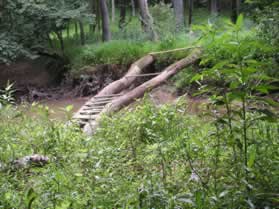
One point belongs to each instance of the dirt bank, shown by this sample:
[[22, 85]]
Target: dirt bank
[[43, 72]]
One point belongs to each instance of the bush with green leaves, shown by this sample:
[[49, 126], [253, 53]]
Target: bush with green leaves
[[7, 95], [10, 49], [147, 157], [238, 63], [269, 25], [27, 24]]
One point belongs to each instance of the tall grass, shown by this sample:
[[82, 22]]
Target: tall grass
[[125, 52]]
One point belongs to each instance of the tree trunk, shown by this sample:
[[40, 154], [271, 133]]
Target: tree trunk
[[68, 30], [133, 8], [122, 8], [50, 41], [146, 19], [82, 35], [235, 10], [139, 91], [179, 14], [105, 21], [143, 15], [1, 10], [191, 6], [97, 12], [135, 69], [61, 41], [92, 25], [76, 30], [213, 7], [149, 85], [112, 10]]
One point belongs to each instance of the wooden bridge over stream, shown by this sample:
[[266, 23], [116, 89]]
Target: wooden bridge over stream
[[119, 93]]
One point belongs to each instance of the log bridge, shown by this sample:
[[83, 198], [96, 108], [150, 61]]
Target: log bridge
[[118, 94]]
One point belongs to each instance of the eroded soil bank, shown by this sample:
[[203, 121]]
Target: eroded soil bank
[[46, 81]]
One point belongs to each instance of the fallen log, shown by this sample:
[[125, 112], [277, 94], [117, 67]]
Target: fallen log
[[154, 82], [35, 160], [139, 91], [135, 69]]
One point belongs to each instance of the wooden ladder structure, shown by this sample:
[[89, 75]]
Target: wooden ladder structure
[[90, 111], [92, 108]]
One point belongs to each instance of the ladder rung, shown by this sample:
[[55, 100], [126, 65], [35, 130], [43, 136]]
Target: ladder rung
[[93, 107], [85, 117], [97, 103], [143, 75], [108, 96]]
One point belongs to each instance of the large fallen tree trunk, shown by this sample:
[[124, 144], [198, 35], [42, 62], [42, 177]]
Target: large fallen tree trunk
[[135, 69], [139, 91], [154, 82]]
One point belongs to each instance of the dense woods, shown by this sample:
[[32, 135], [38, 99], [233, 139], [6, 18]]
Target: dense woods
[[165, 104], [24, 23]]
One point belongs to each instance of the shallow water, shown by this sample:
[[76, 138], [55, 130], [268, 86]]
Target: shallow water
[[57, 107]]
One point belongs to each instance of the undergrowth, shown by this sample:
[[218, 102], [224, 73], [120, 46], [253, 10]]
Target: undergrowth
[[156, 157], [146, 158], [125, 52], [131, 43]]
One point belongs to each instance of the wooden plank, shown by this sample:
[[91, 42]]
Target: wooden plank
[[86, 117], [89, 112], [101, 100], [143, 75], [91, 108], [95, 105], [98, 103], [108, 96]]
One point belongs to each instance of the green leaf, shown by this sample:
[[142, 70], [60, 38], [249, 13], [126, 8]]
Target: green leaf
[[197, 77], [240, 21], [30, 197], [69, 108], [252, 156], [268, 101]]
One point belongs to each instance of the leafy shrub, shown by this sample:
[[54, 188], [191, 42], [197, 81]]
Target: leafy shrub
[[269, 27], [146, 158], [10, 49], [183, 79], [7, 95]]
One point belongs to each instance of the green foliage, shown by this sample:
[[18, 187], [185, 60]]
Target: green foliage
[[10, 49], [113, 52], [7, 95], [146, 158], [29, 23], [269, 25], [164, 20], [261, 4], [240, 70], [222, 43], [121, 52], [125, 52], [183, 79]]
